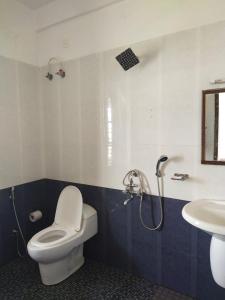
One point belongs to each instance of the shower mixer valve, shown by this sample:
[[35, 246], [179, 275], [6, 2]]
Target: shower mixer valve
[[131, 189], [135, 183]]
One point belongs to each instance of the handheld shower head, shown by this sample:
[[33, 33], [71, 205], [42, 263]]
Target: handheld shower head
[[162, 159]]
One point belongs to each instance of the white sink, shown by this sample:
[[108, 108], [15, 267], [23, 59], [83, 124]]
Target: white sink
[[209, 215]]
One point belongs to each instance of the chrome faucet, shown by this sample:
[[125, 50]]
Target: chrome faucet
[[128, 200], [131, 189]]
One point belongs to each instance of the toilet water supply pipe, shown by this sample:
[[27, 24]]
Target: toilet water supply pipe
[[12, 196]]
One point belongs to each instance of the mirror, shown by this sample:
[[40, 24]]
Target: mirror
[[213, 127]]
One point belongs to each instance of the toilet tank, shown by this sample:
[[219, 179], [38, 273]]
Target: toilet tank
[[90, 221], [88, 211]]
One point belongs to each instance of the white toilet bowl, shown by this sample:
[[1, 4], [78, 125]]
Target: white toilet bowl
[[59, 248]]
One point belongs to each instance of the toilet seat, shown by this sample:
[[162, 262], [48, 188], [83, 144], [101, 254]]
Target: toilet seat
[[52, 236], [69, 208]]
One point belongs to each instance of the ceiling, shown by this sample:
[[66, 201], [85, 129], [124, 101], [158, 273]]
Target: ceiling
[[34, 4]]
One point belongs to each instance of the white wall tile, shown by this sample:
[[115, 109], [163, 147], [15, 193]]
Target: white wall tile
[[29, 108], [211, 57], [51, 106], [124, 120], [90, 119], [20, 134], [178, 113], [10, 150], [70, 110]]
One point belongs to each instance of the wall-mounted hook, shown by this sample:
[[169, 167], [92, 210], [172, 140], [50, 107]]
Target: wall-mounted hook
[[61, 73], [49, 76]]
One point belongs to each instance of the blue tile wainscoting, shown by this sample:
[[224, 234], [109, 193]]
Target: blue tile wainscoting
[[176, 257], [28, 197]]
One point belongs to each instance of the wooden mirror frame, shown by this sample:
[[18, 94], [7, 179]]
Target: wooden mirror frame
[[203, 160]]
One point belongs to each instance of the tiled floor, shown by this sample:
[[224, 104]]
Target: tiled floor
[[21, 280], [162, 293]]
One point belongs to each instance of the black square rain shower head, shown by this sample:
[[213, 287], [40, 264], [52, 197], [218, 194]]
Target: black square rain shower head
[[127, 59]]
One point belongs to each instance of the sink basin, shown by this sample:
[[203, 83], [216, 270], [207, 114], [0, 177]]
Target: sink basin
[[209, 215]]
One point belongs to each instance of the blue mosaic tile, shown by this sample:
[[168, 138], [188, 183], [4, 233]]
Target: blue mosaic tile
[[28, 197], [21, 280]]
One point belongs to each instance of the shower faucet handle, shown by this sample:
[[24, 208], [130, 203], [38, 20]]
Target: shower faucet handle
[[130, 188], [131, 185]]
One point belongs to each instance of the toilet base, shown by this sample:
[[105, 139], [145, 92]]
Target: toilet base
[[57, 271]]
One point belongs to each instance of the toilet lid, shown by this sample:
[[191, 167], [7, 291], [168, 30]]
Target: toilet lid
[[69, 208]]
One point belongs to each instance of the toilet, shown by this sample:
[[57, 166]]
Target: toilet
[[58, 249]]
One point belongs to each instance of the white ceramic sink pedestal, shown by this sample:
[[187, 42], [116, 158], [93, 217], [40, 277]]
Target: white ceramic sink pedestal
[[209, 215]]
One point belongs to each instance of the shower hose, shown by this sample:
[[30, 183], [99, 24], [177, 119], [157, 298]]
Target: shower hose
[[139, 175]]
